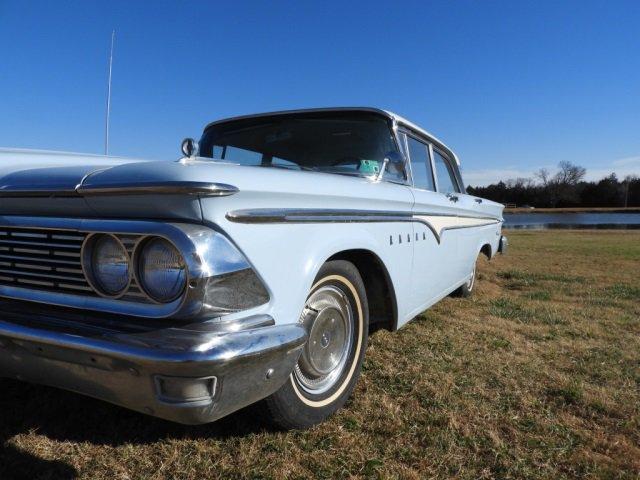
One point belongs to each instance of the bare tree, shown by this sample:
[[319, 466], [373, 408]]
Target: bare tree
[[562, 187], [569, 174], [543, 175]]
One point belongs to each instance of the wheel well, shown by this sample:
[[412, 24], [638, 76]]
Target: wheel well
[[486, 249], [381, 297]]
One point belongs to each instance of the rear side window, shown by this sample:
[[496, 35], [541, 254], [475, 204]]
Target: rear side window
[[444, 174], [420, 164]]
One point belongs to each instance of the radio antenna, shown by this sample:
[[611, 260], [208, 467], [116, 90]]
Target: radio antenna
[[108, 114]]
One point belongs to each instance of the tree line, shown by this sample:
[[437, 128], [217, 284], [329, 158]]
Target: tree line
[[565, 188]]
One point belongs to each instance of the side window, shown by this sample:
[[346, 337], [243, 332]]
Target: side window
[[420, 165], [444, 174]]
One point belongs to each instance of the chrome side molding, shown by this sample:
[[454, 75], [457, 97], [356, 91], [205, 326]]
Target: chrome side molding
[[290, 215], [436, 222], [316, 215]]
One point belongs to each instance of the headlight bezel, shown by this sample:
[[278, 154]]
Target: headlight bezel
[[214, 266], [87, 254], [137, 266]]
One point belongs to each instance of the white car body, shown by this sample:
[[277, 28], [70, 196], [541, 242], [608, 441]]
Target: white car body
[[286, 224]]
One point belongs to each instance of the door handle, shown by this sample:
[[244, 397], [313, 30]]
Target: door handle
[[452, 197], [478, 200]]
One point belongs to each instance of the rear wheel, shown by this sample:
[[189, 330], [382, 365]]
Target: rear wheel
[[466, 290], [337, 321]]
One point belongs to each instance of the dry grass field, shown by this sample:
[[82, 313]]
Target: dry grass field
[[536, 376]]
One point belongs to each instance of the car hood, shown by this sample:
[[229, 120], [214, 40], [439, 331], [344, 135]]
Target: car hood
[[59, 184], [47, 173]]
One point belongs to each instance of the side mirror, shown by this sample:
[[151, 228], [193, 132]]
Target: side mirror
[[393, 162], [189, 147]]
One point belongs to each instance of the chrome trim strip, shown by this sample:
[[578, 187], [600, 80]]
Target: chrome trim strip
[[9, 191], [351, 216], [219, 326], [285, 215], [311, 215], [162, 188]]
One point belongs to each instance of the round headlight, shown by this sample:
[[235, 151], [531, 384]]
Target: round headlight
[[109, 265], [161, 270]]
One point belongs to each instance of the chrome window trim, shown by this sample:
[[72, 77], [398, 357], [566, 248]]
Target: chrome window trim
[[433, 168], [446, 158], [434, 144], [401, 138], [407, 164], [427, 144], [206, 252]]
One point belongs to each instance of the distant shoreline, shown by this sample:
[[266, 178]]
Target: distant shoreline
[[574, 210]]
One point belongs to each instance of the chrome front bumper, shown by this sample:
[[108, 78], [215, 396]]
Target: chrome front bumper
[[186, 376]]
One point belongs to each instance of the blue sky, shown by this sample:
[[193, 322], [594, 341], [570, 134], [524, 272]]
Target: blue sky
[[511, 86]]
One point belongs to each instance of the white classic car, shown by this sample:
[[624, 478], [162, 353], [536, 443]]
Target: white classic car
[[252, 269]]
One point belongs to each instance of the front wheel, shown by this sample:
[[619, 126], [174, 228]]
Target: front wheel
[[336, 318]]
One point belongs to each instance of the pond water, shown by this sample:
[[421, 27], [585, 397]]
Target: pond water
[[540, 221]]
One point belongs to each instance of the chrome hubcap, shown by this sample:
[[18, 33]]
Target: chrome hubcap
[[328, 319], [472, 280]]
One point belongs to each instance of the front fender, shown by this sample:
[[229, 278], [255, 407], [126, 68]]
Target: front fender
[[288, 257]]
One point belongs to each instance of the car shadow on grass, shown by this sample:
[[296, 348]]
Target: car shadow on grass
[[61, 416]]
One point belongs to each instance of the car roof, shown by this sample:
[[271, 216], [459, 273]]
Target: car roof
[[395, 118]]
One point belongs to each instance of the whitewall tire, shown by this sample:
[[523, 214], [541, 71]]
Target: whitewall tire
[[466, 290], [336, 318]]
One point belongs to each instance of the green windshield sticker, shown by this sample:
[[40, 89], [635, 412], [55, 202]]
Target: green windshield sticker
[[369, 166]]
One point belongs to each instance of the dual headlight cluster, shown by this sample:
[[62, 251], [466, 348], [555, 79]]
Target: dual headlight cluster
[[157, 266]]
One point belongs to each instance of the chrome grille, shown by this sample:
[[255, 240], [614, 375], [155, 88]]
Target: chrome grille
[[43, 259]]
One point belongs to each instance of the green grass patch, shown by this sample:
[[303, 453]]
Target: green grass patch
[[570, 394], [623, 291], [528, 278], [499, 343], [540, 295], [505, 307]]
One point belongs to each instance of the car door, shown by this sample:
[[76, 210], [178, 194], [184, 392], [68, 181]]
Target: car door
[[480, 217], [435, 248], [448, 184]]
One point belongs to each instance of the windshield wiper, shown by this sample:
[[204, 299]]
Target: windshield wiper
[[289, 167]]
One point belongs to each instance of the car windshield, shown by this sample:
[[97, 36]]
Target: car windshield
[[339, 142]]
